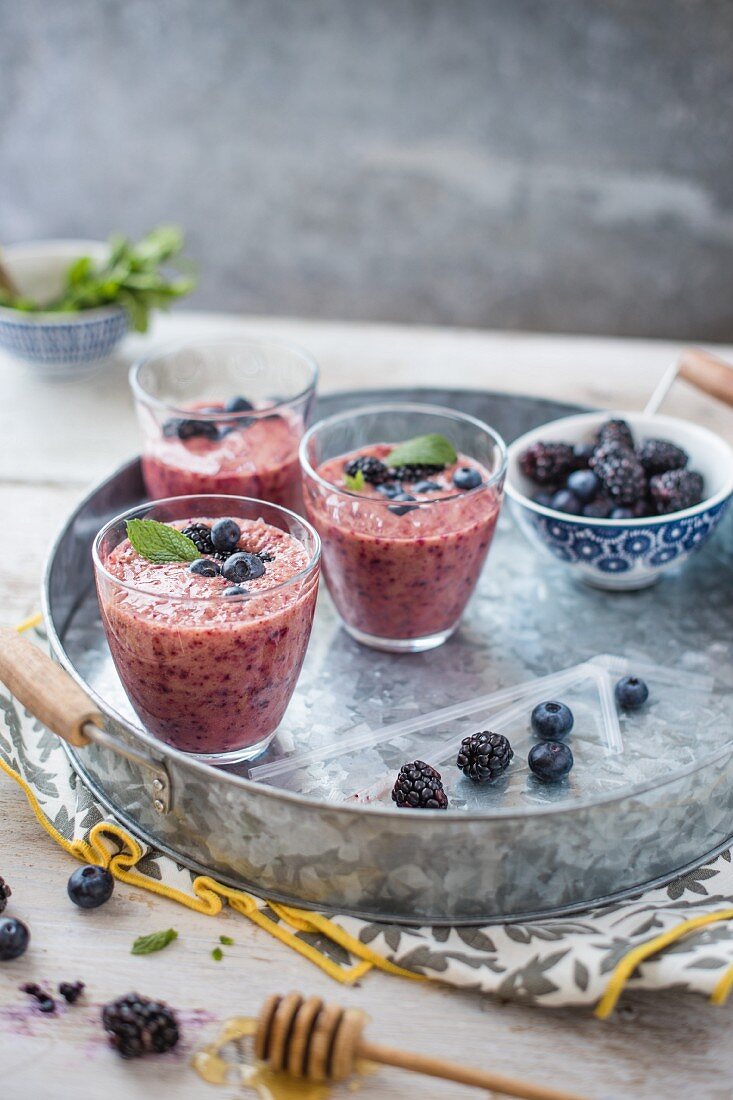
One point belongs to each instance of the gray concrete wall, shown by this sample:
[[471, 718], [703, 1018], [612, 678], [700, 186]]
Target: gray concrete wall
[[546, 164]]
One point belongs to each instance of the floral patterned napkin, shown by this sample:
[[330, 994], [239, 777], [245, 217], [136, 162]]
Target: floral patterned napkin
[[679, 936]]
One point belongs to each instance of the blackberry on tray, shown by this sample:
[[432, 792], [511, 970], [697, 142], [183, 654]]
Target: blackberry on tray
[[419, 787], [484, 756]]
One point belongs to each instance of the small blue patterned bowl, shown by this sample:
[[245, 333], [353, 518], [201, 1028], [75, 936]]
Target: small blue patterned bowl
[[58, 345], [631, 553]]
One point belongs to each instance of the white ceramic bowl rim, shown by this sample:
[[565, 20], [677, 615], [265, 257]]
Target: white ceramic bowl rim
[[592, 418]]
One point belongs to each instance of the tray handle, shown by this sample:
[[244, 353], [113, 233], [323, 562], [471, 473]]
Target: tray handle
[[45, 689], [707, 373], [50, 694]]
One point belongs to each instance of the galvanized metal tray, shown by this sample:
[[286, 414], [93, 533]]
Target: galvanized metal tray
[[518, 851]]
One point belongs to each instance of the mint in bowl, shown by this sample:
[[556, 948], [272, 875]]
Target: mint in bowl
[[66, 305]]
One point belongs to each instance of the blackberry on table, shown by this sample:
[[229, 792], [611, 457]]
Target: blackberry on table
[[545, 463], [484, 755], [620, 473], [372, 469], [138, 1026], [5, 893], [71, 991], [419, 787], [676, 490], [615, 431], [659, 455]]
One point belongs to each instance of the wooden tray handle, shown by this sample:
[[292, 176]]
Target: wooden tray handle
[[707, 373], [45, 689]]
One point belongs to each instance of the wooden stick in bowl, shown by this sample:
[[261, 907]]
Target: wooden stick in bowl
[[707, 373]]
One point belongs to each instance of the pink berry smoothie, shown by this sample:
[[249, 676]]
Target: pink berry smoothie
[[207, 673], [403, 569], [252, 456]]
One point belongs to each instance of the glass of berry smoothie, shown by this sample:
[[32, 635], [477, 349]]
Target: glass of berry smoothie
[[405, 499], [224, 416], [207, 603]]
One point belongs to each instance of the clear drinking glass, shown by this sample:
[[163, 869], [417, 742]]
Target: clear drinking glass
[[210, 675], [400, 577], [191, 444]]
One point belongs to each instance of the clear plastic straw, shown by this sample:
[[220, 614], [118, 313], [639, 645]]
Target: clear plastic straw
[[609, 714], [367, 738], [676, 677]]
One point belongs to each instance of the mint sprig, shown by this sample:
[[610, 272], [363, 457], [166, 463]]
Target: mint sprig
[[156, 941], [355, 482], [160, 543], [423, 450]]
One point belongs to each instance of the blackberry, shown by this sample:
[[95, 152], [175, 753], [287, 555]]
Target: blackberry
[[374, 471], [615, 431], [484, 756], [620, 473], [138, 1026], [200, 536], [416, 472], [71, 991], [5, 893], [659, 455], [419, 787], [545, 463], [675, 490]]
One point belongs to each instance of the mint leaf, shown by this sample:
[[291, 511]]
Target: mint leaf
[[217, 954], [424, 450], [226, 940], [156, 941], [354, 482], [160, 543]]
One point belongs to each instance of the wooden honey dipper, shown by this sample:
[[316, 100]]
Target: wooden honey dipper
[[321, 1042]]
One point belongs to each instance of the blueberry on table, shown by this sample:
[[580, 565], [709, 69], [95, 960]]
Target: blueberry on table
[[631, 693], [552, 720], [90, 886], [14, 938], [466, 477], [204, 567], [565, 501], [584, 484], [242, 567], [238, 405], [550, 761], [403, 508], [225, 535], [191, 429]]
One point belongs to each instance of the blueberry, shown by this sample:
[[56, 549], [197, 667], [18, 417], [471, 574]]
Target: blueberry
[[170, 428], [389, 489], [466, 477], [235, 590], [189, 429], [550, 761], [582, 454], [631, 693], [14, 938], [204, 567], [90, 886], [552, 720], [427, 487], [238, 405], [584, 484], [565, 501], [600, 508], [225, 535], [242, 567], [46, 1004], [622, 513], [403, 509]]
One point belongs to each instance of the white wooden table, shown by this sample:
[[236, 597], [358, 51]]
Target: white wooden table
[[59, 439]]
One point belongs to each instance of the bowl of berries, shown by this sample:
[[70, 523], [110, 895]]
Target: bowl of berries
[[619, 498]]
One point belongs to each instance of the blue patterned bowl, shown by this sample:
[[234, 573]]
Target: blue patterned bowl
[[630, 553], [58, 345]]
